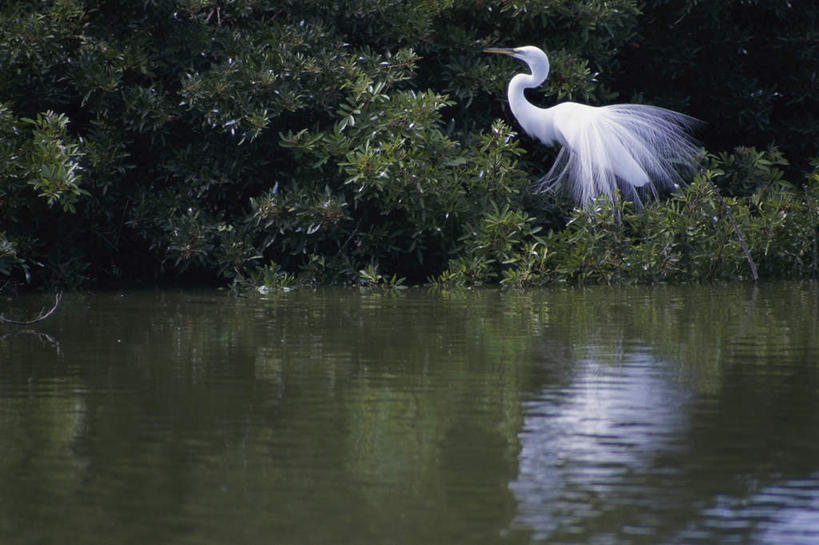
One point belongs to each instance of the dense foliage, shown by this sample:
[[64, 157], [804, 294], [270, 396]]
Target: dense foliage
[[283, 142]]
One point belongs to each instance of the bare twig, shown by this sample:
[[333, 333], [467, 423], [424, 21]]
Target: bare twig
[[809, 202], [741, 238], [40, 317], [353, 234]]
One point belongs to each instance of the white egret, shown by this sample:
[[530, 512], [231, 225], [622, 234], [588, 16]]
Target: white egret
[[604, 147]]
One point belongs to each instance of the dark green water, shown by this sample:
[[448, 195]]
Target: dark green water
[[598, 416]]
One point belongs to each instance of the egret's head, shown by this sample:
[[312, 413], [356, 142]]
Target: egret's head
[[529, 54]]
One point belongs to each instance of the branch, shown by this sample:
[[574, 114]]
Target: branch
[[741, 239], [42, 316], [809, 202]]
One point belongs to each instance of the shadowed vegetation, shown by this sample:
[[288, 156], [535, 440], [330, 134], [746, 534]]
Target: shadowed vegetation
[[284, 143]]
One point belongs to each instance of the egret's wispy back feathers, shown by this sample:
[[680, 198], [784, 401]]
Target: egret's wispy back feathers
[[625, 146]]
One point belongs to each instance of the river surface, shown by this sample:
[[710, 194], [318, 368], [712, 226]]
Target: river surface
[[644, 415]]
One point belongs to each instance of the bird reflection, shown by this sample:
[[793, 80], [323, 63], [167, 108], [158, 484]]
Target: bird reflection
[[581, 441]]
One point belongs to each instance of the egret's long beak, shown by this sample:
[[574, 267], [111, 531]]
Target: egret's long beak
[[500, 50]]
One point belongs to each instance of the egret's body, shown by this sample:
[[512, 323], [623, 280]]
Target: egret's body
[[603, 147]]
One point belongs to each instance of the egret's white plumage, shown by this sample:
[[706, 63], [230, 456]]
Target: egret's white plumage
[[628, 146]]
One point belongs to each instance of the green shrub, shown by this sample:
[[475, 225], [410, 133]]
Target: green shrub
[[284, 143]]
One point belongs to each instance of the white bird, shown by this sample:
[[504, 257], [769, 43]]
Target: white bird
[[628, 146]]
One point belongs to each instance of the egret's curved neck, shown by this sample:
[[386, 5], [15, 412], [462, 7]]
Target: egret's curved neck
[[539, 67], [521, 108]]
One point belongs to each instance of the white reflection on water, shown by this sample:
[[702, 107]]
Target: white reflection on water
[[583, 442], [783, 513], [798, 522]]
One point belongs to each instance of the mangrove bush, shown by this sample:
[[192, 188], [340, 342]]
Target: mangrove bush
[[279, 142]]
